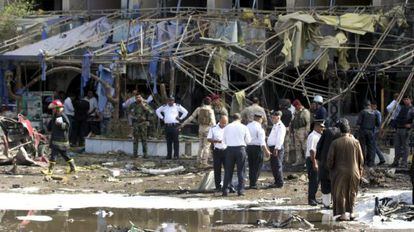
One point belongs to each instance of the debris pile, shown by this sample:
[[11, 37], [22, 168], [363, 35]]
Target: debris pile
[[390, 209]]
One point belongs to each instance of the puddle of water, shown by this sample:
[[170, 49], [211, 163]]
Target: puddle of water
[[155, 219]]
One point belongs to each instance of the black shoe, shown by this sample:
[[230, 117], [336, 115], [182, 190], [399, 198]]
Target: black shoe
[[394, 164], [381, 162], [240, 193], [253, 187], [225, 194], [312, 203], [168, 158]]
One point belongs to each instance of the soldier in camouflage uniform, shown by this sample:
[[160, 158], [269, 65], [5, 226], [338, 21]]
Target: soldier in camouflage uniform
[[141, 115]]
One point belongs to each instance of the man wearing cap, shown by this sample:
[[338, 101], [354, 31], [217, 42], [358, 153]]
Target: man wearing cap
[[403, 123], [218, 107], [170, 114], [59, 126], [300, 128], [367, 121], [236, 136], [255, 149], [311, 162], [205, 119], [275, 142], [248, 113], [320, 111], [328, 136]]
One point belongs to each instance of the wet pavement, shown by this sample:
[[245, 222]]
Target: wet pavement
[[107, 219]]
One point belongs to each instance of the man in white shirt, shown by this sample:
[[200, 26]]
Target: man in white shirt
[[215, 137], [311, 162], [275, 142], [394, 112], [69, 110], [170, 114], [255, 149], [236, 136]]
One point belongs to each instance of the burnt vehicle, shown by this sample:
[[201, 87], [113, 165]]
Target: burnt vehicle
[[21, 144]]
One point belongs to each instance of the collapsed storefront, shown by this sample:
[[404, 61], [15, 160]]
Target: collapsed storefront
[[189, 53]]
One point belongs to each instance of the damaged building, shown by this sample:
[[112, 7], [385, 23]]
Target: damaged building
[[345, 51]]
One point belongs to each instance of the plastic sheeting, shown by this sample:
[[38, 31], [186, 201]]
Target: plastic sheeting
[[86, 33], [351, 22], [105, 75]]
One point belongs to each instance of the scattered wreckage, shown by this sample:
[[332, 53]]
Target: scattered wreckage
[[21, 144]]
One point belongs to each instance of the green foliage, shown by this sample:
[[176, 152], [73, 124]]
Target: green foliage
[[12, 10]]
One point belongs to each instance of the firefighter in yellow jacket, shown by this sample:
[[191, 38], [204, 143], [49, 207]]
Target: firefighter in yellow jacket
[[206, 119]]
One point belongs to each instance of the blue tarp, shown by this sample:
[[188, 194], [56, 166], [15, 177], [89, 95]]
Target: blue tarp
[[105, 75], [86, 69]]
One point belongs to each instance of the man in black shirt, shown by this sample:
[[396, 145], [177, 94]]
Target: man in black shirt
[[80, 129], [367, 121]]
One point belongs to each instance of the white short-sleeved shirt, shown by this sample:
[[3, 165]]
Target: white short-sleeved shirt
[[236, 134], [257, 134], [171, 113], [216, 133], [312, 142], [277, 136]]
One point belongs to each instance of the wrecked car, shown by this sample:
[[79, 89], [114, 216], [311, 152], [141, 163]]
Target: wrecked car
[[20, 143]]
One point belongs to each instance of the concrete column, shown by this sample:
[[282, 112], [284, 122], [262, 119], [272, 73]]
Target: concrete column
[[74, 5], [219, 4], [291, 5], [133, 4]]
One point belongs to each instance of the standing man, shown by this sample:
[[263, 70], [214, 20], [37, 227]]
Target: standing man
[[320, 111], [286, 117], [236, 137], [141, 115], [345, 162], [367, 121], [205, 118], [81, 121], [69, 111], [322, 149], [248, 113], [215, 136], [300, 129], [377, 150], [392, 111], [311, 163], [170, 114], [218, 107], [275, 142], [59, 126], [255, 149], [403, 123]]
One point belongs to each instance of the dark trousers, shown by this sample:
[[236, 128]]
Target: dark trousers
[[276, 163], [80, 130], [56, 151], [234, 156], [171, 134], [324, 179], [255, 159], [218, 162], [368, 146], [401, 143], [72, 127], [378, 152], [313, 180]]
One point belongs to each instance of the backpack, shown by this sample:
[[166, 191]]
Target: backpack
[[204, 117]]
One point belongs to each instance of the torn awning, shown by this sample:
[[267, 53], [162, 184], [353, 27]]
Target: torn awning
[[90, 34]]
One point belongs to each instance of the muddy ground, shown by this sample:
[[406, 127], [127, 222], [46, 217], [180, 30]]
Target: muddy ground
[[96, 174]]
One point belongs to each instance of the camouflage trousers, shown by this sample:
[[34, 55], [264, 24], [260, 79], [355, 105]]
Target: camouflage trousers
[[140, 133], [299, 141], [204, 146], [286, 144]]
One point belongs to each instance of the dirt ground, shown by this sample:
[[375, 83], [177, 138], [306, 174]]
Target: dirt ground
[[98, 173]]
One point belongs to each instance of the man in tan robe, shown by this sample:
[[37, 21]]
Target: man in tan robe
[[345, 161]]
